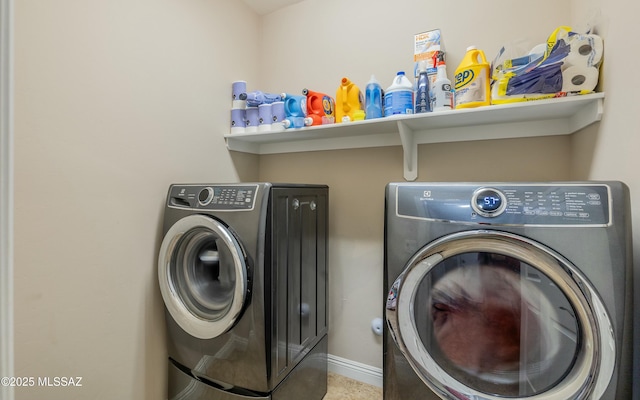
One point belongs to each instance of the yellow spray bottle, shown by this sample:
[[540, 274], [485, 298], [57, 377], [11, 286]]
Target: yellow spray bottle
[[473, 87]]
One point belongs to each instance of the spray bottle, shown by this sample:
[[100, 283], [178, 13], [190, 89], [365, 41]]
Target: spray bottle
[[422, 91], [442, 94]]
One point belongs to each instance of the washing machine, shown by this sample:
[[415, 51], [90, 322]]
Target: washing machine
[[242, 271], [508, 291]]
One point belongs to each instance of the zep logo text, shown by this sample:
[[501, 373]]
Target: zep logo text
[[464, 78]]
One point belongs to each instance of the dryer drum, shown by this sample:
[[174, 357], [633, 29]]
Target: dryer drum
[[204, 274]]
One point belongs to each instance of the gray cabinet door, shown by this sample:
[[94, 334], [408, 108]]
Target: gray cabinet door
[[299, 275]]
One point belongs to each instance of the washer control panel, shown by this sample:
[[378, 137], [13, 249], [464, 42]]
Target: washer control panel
[[510, 204], [213, 197]]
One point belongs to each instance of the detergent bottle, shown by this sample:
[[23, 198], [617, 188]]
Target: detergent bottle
[[442, 94], [319, 105], [373, 106], [295, 109], [472, 80], [398, 98], [348, 100]]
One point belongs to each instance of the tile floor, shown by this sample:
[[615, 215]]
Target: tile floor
[[343, 388]]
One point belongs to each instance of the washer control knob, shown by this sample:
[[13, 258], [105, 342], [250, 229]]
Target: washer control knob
[[205, 196], [488, 202]]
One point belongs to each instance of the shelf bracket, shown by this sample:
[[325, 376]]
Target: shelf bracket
[[410, 152], [587, 115]]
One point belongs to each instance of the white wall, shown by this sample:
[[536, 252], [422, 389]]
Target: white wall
[[324, 41], [114, 100], [315, 43], [609, 150]]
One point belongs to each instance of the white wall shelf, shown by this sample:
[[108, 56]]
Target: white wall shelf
[[551, 117]]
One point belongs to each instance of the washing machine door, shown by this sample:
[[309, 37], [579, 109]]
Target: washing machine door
[[492, 315], [203, 276]]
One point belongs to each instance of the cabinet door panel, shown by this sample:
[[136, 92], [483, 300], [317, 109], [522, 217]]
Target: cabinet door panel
[[299, 273]]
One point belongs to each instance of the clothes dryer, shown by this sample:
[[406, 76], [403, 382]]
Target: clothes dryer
[[243, 275], [508, 291]]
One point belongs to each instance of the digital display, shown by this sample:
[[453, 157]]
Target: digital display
[[489, 202]]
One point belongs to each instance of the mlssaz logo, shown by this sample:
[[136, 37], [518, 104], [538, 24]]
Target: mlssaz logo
[[464, 78]]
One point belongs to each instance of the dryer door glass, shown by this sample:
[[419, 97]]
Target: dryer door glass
[[487, 315], [204, 273], [203, 276], [496, 324]]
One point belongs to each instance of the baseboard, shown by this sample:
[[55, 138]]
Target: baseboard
[[355, 370]]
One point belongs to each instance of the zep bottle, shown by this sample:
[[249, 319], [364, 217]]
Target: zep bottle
[[472, 80], [398, 98]]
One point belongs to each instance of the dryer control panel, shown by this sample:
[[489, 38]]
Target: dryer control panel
[[504, 204], [213, 197]]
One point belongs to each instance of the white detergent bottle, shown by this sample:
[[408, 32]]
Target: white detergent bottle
[[443, 96], [398, 98]]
